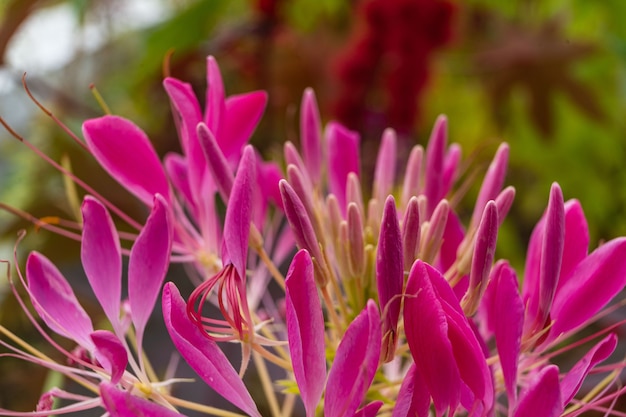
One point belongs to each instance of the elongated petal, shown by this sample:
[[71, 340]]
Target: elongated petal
[[110, 353], [385, 165], [126, 153], [243, 113], [101, 256], [389, 276], [148, 264], [239, 212], [305, 330], [435, 154], [343, 158], [542, 393], [355, 364], [311, 134], [426, 328], [592, 284], [55, 301], [413, 397], [573, 380], [203, 354], [123, 404]]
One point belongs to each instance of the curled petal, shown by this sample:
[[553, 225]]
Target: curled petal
[[203, 354], [101, 256], [542, 393], [355, 364], [148, 264], [110, 353], [305, 330], [126, 153], [55, 301], [123, 404]]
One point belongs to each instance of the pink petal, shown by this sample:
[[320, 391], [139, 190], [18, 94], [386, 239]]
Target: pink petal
[[591, 285], [55, 301], [110, 353], [243, 113], [126, 153], [355, 364], [203, 354], [148, 264], [343, 158], [123, 404], [542, 393], [413, 398], [310, 134], [102, 257], [239, 212], [573, 380], [435, 154], [305, 330], [385, 165], [425, 320], [389, 276]]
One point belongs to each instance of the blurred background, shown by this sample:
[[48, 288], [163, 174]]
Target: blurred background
[[547, 76]]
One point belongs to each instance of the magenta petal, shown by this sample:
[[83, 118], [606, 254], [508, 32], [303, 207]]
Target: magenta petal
[[239, 212], [573, 380], [123, 404], [507, 317], [425, 320], [542, 393], [148, 264], [343, 158], [55, 301], [305, 330], [355, 364], [389, 276], [413, 397], [101, 256], [110, 353], [370, 410], [203, 354], [243, 112], [126, 153], [310, 134], [591, 285]]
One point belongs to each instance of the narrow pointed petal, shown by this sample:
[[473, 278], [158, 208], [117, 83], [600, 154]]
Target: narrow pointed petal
[[110, 353], [385, 165], [203, 354], [592, 284], [435, 154], [343, 158], [216, 161], [239, 212], [148, 264], [243, 113], [101, 256], [311, 134], [506, 312], [542, 393], [370, 410], [215, 108], [126, 153], [389, 276], [120, 403], [355, 364], [493, 182], [573, 380], [413, 397], [55, 301], [425, 320], [305, 330]]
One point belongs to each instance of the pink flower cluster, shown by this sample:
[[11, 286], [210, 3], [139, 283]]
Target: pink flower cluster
[[391, 307]]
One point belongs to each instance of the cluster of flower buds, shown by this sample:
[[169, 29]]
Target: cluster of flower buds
[[389, 306]]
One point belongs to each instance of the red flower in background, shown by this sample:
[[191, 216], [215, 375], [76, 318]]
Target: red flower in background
[[390, 55]]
